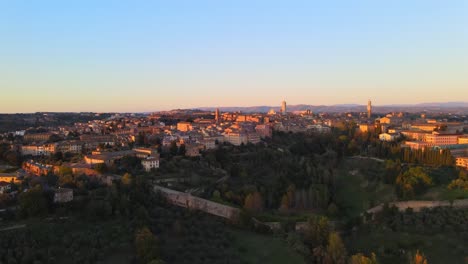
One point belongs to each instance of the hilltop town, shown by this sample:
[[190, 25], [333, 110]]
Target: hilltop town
[[82, 146], [262, 171]]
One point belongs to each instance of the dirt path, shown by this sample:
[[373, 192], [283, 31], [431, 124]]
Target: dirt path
[[418, 205], [371, 158], [12, 227]]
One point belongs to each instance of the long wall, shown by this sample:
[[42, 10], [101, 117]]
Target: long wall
[[192, 202], [189, 201], [418, 205]]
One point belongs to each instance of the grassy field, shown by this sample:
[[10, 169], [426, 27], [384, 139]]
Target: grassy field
[[123, 255], [393, 247], [255, 248], [443, 193], [360, 186]]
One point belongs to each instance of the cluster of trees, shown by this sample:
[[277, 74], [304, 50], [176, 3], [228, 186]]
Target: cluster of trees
[[402, 233], [127, 164], [9, 156], [254, 202], [147, 140], [269, 173], [273, 171], [34, 202], [36, 193], [412, 182], [62, 242], [428, 156], [362, 259], [392, 170], [461, 182], [427, 221], [316, 196], [324, 244], [59, 158], [193, 237], [290, 172], [127, 216], [352, 142], [319, 243], [418, 258], [146, 246], [385, 150], [176, 150]]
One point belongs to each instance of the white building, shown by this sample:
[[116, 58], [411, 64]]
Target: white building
[[71, 146], [236, 139], [209, 143], [63, 195], [389, 137], [38, 150], [319, 128], [150, 163], [4, 187], [253, 138]]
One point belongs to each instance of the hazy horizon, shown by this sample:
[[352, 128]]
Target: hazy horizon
[[122, 56], [465, 105]]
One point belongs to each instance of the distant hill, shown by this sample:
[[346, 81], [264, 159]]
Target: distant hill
[[455, 107], [445, 105]]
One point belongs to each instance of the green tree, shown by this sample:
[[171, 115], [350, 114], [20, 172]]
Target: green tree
[[336, 250], [182, 150], [33, 202], [101, 168], [12, 157], [418, 258], [235, 171], [248, 202], [140, 139], [413, 181], [332, 210], [291, 195], [127, 179], [284, 206], [146, 245], [361, 259], [392, 170], [317, 231], [173, 148], [130, 163], [51, 179], [66, 180], [98, 210], [461, 182], [258, 201], [253, 202], [65, 171]]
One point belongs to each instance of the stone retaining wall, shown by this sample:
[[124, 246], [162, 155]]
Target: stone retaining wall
[[192, 202], [419, 205]]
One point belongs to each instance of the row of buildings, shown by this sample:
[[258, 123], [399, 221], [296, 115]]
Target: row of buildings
[[105, 141], [423, 134]]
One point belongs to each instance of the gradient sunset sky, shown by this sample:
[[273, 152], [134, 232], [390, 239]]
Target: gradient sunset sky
[[101, 55]]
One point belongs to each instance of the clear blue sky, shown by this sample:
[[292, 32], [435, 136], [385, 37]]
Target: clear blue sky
[[96, 55]]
